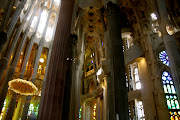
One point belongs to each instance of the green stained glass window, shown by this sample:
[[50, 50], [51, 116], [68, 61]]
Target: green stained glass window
[[80, 111], [171, 97], [165, 89]]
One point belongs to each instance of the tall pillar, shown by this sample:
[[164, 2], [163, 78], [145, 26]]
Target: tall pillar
[[152, 90], [28, 51], [10, 110], [27, 54], [44, 82], [105, 100], [68, 83], [3, 39], [83, 113], [98, 109], [116, 82], [6, 15], [6, 56], [56, 76], [88, 111], [79, 74], [11, 70], [147, 90], [170, 45], [36, 63], [16, 15], [5, 19]]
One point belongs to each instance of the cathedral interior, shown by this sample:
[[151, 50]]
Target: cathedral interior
[[89, 59]]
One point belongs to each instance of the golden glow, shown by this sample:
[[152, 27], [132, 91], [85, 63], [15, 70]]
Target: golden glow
[[94, 112]]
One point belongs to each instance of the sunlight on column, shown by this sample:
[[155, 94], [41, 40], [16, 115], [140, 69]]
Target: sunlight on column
[[42, 23]]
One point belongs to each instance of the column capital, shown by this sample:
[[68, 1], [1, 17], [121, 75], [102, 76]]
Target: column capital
[[41, 42], [112, 9]]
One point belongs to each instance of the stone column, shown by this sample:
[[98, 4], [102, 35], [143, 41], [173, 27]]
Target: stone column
[[18, 110], [28, 51], [6, 56], [105, 100], [16, 15], [69, 74], [5, 19], [116, 82], [88, 112], [100, 49], [44, 82], [152, 89], [146, 90], [170, 45], [3, 39], [131, 110], [6, 15], [13, 64], [36, 63], [27, 54], [98, 109], [96, 57], [11, 70], [77, 74], [83, 111], [10, 110], [56, 75]]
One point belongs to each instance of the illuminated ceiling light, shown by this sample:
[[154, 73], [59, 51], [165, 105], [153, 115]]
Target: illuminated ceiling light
[[41, 60], [153, 16]]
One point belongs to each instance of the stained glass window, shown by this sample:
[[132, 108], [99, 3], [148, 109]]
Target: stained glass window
[[171, 97], [33, 111], [140, 110], [3, 110], [164, 58], [80, 111]]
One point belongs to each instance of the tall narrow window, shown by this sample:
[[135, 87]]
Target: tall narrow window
[[130, 78], [136, 79], [171, 97], [140, 110]]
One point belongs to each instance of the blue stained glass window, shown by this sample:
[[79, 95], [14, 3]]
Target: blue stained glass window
[[164, 58], [171, 97], [92, 61]]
